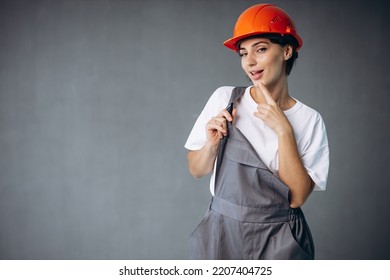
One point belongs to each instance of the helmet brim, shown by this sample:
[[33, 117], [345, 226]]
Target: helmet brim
[[232, 43]]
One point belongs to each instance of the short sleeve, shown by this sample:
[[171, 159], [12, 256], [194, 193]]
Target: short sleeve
[[316, 156]]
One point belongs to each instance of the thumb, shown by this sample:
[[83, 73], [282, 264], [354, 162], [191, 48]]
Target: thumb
[[234, 113]]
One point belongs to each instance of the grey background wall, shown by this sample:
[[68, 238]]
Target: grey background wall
[[98, 97]]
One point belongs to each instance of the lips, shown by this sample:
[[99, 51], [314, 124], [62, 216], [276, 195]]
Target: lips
[[255, 75]]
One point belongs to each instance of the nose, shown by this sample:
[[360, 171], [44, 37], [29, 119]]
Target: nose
[[250, 59]]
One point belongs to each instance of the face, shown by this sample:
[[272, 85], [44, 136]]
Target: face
[[264, 61]]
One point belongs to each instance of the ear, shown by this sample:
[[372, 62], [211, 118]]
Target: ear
[[287, 52]]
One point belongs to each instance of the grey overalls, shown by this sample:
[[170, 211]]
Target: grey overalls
[[249, 216]]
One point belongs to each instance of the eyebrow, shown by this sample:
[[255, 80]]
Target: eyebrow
[[255, 44]]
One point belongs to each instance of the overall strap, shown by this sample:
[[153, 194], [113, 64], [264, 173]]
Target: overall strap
[[236, 95]]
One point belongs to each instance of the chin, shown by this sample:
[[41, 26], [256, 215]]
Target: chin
[[257, 82]]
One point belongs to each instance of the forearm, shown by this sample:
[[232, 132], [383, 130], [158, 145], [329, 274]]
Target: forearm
[[291, 169], [201, 162]]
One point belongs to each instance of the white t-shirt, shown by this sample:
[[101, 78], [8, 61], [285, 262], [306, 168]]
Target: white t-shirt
[[309, 130]]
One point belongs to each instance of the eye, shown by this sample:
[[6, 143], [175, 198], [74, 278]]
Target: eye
[[261, 50], [241, 54]]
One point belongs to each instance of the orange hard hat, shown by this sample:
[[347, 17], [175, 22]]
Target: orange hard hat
[[262, 19]]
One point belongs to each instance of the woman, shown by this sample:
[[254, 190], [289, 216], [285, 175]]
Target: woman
[[265, 157]]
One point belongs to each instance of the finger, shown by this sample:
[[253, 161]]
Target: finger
[[263, 111], [264, 107], [225, 114], [263, 114], [220, 120], [266, 94], [258, 115], [234, 113], [216, 125]]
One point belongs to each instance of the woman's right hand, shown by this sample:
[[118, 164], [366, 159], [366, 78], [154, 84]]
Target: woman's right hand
[[216, 127], [201, 162]]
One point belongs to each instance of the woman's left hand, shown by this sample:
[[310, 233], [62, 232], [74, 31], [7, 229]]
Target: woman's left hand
[[271, 113], [291, 170]]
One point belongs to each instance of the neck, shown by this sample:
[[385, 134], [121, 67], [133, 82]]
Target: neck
[[279, 93]]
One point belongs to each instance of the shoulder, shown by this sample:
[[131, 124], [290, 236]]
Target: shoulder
[[222, 93], [310, 129], [308, 124], [219, 99], [306, 113]]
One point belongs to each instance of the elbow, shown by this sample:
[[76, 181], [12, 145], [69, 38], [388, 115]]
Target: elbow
[[198, 173], [194, 174], [197, 166], [300, 193], [297, 199], [296, 203]]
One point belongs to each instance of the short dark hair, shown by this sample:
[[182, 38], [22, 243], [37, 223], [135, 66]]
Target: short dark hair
[[282, 40]]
